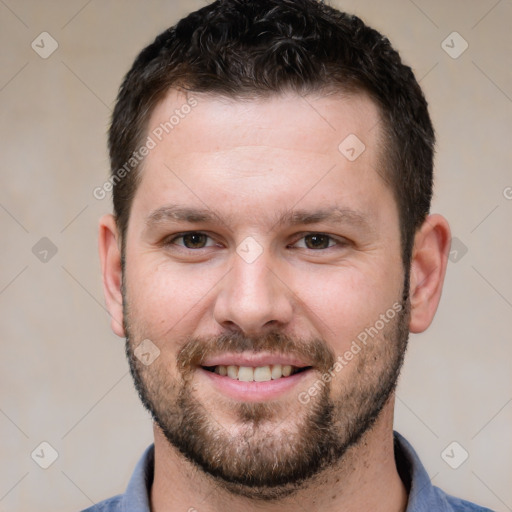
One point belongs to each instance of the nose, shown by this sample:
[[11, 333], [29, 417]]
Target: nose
[[253, 299]]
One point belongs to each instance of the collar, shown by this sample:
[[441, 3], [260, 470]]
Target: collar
[[423, 496]]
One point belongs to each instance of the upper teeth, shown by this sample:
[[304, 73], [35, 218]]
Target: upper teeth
[[258, 374]]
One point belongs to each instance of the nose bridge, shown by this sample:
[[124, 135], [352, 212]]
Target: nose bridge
[[252, 281], [253, 298]]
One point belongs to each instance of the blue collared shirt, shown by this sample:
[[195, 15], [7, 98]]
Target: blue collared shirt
[[423, 496]]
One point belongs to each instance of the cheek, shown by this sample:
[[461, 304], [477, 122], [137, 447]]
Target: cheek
[[163, 297], [343, 302]]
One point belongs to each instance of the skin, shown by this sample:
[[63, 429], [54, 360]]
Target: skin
[[249, 162]]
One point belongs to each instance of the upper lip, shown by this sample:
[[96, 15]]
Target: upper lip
[[254, 360]]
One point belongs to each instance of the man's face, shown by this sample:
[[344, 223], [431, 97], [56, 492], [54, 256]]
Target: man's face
[[255, 242]]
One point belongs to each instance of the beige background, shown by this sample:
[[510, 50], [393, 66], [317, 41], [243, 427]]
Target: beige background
[[63, 376]]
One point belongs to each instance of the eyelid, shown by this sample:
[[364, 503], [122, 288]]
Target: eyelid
[[171, 240], [339, 240]]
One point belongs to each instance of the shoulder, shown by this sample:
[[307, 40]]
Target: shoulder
[[113, 504], [454, 504], [423, 496], [136, 496]]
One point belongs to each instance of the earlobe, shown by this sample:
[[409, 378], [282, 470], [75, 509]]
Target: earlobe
[[428, 268], [110, 258]]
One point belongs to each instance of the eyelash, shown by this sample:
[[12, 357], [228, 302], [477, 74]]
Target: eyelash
[[337, 241]]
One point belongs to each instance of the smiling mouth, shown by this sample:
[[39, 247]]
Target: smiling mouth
[[256, 374]]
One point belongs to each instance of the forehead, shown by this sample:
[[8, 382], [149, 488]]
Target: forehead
[[316, 122], [216, 150]]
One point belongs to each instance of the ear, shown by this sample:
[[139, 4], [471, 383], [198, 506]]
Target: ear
[[109, 244], [428, 268]]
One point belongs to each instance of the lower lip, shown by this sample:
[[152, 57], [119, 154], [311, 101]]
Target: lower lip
[[254, 391]]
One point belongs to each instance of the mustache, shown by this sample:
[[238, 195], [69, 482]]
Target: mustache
[[315, 351]]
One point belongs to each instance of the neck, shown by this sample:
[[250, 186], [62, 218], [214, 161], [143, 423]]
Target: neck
[[365, 479]]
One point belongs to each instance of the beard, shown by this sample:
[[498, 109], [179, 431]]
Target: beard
[[271, 449]]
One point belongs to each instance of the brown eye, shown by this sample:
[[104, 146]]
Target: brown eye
[[191, 244], [317, 241], [194, 240]]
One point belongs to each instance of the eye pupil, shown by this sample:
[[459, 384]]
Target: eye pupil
[[194, 240], [317, 241]]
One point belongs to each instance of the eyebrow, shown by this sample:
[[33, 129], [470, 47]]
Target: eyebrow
[[334, 215], [180, 214]]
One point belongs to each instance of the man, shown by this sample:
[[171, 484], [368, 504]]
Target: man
[[270, 250]]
